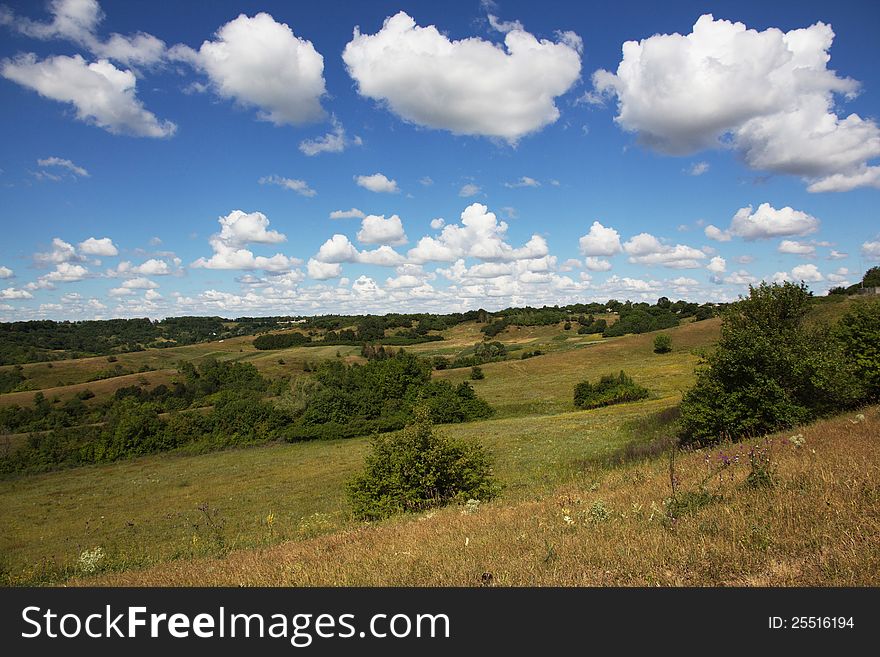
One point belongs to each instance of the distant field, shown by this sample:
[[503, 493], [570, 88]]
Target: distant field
[[149, 505], [276, 509], [819, 525]]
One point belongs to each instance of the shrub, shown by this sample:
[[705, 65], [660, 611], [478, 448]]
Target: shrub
[[609, 390], [771, 370], [662, 344], [418, 469], [477, 373], [859, 333]]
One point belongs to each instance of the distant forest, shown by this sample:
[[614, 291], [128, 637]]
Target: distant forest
[[46, 340]]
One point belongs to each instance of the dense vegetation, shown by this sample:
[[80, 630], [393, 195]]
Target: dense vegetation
[[348, 400], [27, 342], [220, 404], [418, 469], [773, 370], [610, 389]]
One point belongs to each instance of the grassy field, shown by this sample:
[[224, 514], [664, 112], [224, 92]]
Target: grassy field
[[277, 514], [146, 510], [817, 525]]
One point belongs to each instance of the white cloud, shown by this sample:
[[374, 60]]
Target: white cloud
[[152, 267], [321, 271], [139, 283], [438, 223], [524, 181], [597, 264], [769, 93], [379, 230], [77, 21], [480, 235], [6, 272], [767, 222], [843, 182], [625, 284], [600, 241], [698, 168], [570, 265], [258, 62], [377, 182], [426, 181], [384, 256], [65, 164], [715, 233], [469, 87], [837, 255], [102, 94], [334, 141], [469, 189], [337, 249], [796, 248], [645, 249], [354, 213], [301, 187], [740, 277], [871, 250], [98, 247], [61, 252], [11, 293], [504, 26], [237, 229], [808, 273], [840, 276], [65, 272], [717, 265], [240, 227]]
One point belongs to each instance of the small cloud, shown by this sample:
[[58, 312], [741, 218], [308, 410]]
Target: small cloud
[[524, 181], [354, 213], [469, 190], [698, 168], [301, 187], [334, 141], [426, 181], [378, 183], [64, 164]]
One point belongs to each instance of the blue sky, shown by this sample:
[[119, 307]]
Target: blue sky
[[188, 158]]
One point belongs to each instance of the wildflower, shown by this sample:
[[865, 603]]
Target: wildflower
[[598, 512], [798, 440], [270, 519], [567, 519], [859, 418], [89, 560], [471, 506]]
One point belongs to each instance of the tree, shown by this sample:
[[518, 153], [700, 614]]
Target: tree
[[417, 469], [477, 373], [662, 343], [859, 332], [771, 370]]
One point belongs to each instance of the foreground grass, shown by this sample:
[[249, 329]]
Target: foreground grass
[[818, 525], [147, 510]]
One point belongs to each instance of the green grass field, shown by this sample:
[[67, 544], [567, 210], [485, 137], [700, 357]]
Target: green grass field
[[165, 515], [146, 511]]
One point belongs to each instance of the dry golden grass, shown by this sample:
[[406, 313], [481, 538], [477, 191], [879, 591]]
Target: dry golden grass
[[819, 525]]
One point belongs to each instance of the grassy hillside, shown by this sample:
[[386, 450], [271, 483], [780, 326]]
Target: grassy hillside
[[272, 514], [818, 525]]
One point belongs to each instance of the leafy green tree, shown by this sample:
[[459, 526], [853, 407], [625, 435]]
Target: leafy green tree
[[662, 344], [418, 469], [477, 373], [771, 370], [859, 332]]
